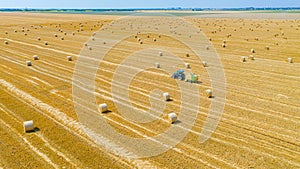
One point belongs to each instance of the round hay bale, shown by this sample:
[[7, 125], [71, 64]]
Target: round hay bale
[[204, 64], [166, 96], [69, 58], [224, 41], [243, 59], [209, 39], [141, 42], [62, 38], [256, 38], [25, 34], [6, 32], [103, 108], [28, 126], [90, 48], [224, 45], [267, 48], [38, 38], [154, 39], [187, 55], [46, 43], [73, 33], [148, 36], [6, 42], [187, 65], [160, 54], [28, 63], [35, 57], [208, 93], [157, 65], [290, 60], [172, 117], [65, 33], [55, 35], [85, 44], [207, 47], [252, 51], [15, 31]]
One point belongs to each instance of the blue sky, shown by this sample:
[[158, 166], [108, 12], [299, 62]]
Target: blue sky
[[146, 4]]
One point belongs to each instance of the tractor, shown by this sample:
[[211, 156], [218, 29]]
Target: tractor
[[188, 77], [179, 75]]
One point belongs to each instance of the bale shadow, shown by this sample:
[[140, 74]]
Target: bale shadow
[[36, 129], [107, 112], [177, 122], [170, 100]]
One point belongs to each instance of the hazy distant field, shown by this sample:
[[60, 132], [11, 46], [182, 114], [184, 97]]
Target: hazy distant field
[[259, 127], [289, 14]]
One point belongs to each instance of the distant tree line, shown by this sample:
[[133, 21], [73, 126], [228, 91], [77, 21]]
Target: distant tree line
[[136, 9], [246, 9]]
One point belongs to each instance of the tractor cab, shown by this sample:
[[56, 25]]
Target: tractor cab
[[179, 75]]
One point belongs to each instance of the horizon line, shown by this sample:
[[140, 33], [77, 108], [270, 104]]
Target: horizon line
[[167, 8]]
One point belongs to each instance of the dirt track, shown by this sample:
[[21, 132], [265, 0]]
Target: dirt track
[[259, 127]]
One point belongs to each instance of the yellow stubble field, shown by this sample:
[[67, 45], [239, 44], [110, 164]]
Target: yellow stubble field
[[259, 127]]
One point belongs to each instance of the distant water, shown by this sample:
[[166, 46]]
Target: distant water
[[123, 13]]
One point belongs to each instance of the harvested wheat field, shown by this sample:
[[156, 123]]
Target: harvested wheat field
[[259, 128]]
